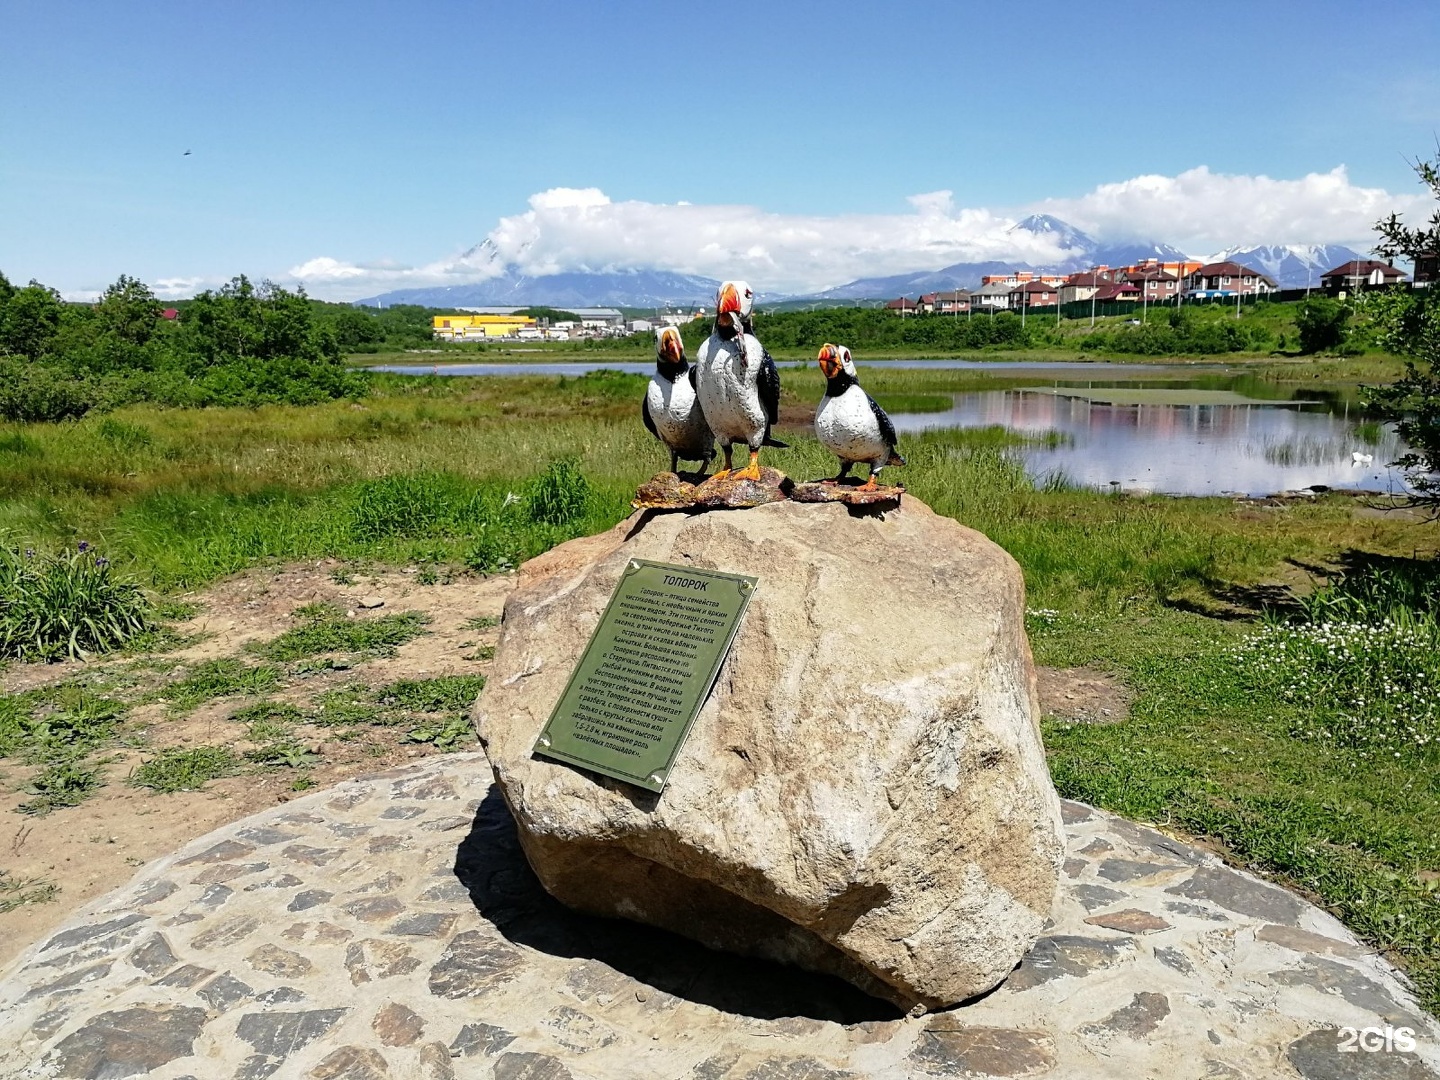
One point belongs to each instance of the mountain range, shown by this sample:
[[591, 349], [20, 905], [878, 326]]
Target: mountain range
[[1291, 266], [616, 288]]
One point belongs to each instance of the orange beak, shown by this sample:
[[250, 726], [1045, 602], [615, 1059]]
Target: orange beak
[[829, 360], [671, 347], [729, 300]]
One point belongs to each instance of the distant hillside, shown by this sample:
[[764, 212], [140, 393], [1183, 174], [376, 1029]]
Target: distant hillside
[[646, 289]]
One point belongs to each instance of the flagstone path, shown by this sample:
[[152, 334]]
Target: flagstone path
[[390, 928]]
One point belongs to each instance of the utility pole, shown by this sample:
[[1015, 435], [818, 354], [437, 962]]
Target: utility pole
[[1094, 288]]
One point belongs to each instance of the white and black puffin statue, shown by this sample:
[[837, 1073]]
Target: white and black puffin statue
[[736, 382], [670, 409], [849, 423]]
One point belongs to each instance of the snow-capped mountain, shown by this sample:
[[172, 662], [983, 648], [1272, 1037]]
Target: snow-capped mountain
[[1061, 233], [1084, 252], [619, 288], [1293, 266]]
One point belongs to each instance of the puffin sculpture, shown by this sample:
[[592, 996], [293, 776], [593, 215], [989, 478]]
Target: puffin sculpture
[[670, 410], [736, 382], [848, 423]]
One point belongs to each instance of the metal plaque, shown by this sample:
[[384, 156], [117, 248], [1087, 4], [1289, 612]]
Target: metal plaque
[[647, 670]]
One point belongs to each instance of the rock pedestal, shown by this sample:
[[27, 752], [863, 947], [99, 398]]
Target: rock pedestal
[[864, 792]]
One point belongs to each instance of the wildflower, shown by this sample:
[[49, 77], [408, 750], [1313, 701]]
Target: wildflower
[[83, 546], [102, 562]]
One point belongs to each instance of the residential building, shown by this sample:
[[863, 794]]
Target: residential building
[[1034, 294], [1017, 278], [1178, 269], [1226, 279], [1155, 285], [956, 301], [1358, 275], [903, 306], [992, 297], [1427, 268], [1085, 284], [1121, 291]]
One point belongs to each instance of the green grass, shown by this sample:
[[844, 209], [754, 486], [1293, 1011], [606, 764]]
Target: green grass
[[66, 605], [58, 723], [324, 628], [185, 769], [65, 783], [17, 892], [219, 678], [444, 474]]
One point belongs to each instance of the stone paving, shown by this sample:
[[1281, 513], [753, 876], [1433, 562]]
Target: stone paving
[[390, 928]]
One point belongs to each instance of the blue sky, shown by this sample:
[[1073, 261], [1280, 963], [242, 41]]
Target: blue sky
[[371, 144]]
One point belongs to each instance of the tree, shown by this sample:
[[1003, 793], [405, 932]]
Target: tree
[[1321, 324], [29, 320], [128, 310], [1409, 324]]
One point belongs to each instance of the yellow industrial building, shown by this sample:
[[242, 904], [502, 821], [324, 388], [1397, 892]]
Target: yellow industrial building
[[472, 327]]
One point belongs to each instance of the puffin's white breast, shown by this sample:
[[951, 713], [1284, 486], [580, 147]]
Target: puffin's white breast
[[675, 412], [848, 427], [727, 389]]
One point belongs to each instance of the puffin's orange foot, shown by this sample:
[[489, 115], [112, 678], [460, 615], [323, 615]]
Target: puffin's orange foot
[[722, 474], [750, 472], [869, 485]]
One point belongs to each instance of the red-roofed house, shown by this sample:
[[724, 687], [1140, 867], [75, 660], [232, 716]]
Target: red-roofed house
[[1082, 286], [1226, 279], [1155, 284], [949, 302], [1120, 290], [902, 306], [1034, 294], [1359, 274]]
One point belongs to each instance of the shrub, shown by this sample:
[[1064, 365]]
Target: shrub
[[33, 393], [66, 605], [1321, 323]]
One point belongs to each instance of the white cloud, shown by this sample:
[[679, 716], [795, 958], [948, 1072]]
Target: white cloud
[[567, 229], [1200, 211]]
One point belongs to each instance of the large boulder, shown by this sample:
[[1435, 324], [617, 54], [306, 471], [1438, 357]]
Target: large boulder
[[864, 792]]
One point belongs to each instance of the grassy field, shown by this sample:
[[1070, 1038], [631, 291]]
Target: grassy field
[[1179, 598]]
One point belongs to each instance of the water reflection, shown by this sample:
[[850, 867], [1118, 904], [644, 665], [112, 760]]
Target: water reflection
[[1183, 447]]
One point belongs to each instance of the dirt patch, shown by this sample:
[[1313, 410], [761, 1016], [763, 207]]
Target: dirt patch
[[89, 849], [1082, 695]]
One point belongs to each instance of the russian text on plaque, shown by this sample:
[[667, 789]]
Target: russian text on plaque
[[647, 670]]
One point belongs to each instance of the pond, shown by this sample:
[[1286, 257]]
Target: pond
[[1163, 428], [1181, 440], [645, 367]]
